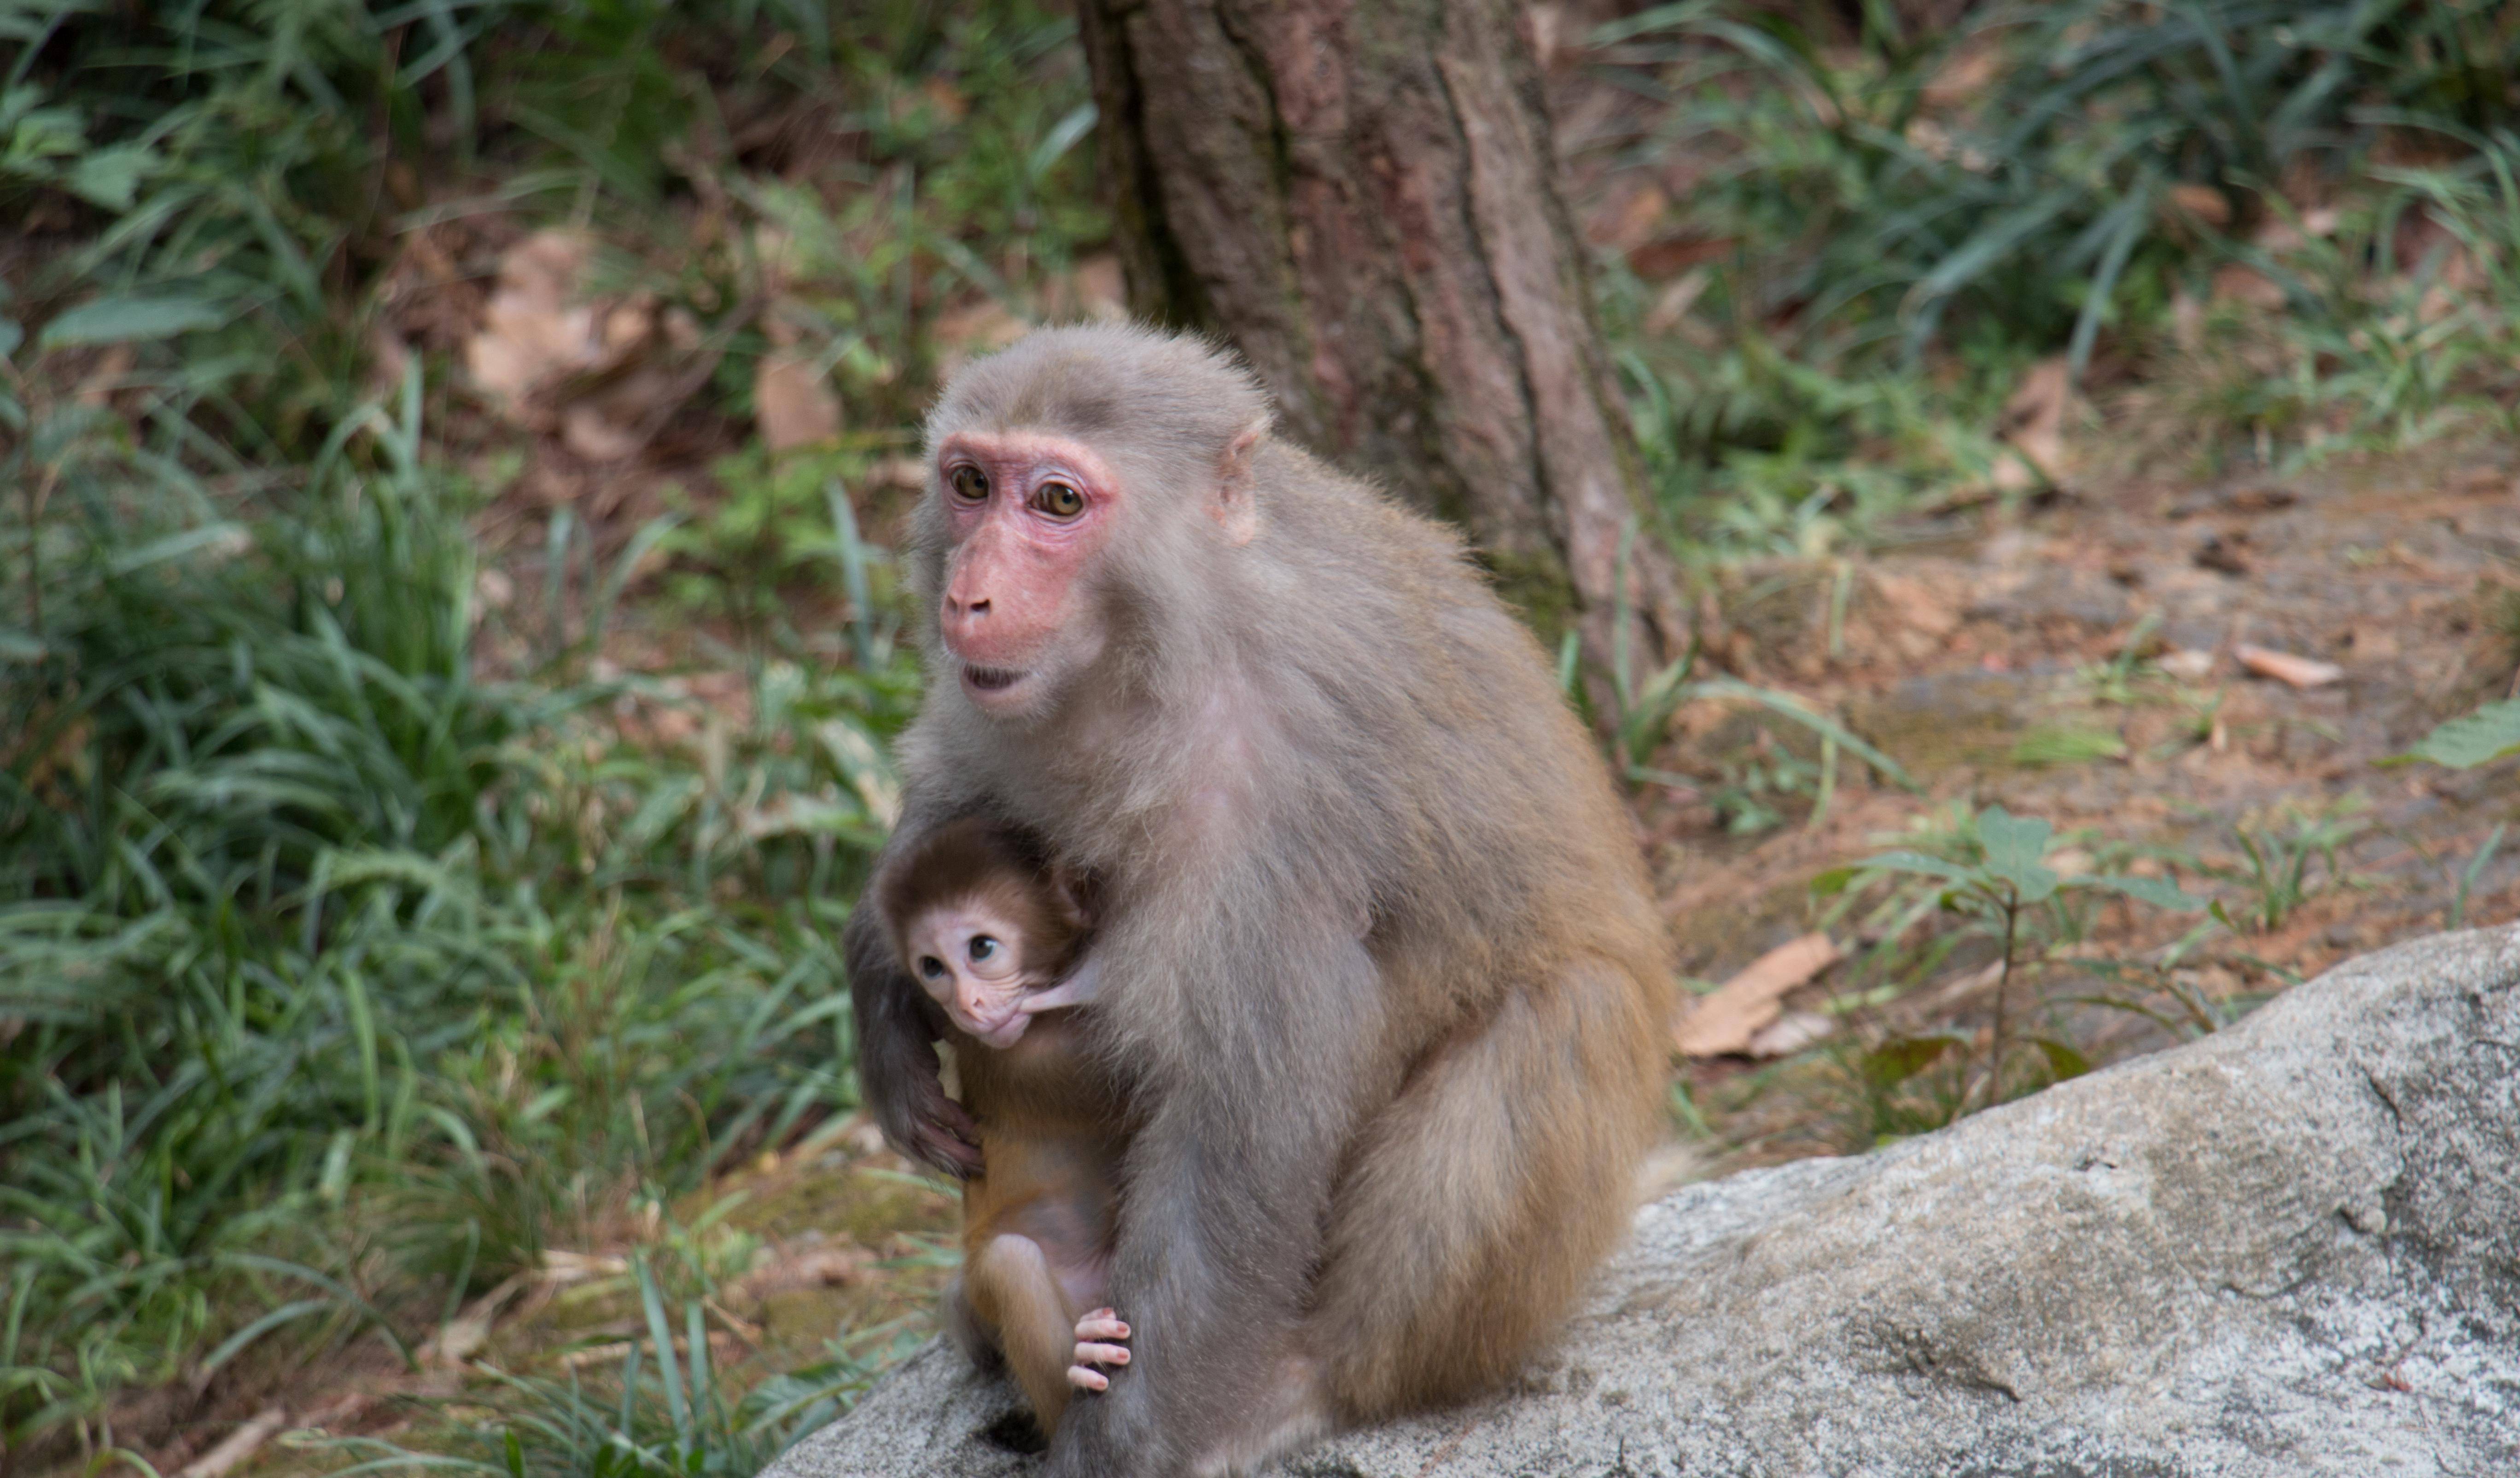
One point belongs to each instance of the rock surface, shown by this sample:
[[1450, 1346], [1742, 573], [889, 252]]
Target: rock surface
[[2292, 1248]]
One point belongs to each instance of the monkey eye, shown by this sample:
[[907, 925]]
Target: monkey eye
[[1058, 500], [969, 483], [982, 946], [932, 967]]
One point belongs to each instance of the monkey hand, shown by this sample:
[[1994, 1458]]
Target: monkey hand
[[1094, 1333], [937, 1132]]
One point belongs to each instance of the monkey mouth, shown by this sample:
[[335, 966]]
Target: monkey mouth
[[990, 679]]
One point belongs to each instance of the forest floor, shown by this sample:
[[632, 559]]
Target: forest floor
[[2079, 665]]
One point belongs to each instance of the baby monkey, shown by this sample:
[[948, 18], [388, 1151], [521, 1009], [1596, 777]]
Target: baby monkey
[[994, 933]]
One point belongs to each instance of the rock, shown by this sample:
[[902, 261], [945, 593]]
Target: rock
[[2292, 1248]]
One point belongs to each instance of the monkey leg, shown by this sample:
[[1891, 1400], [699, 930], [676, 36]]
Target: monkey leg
[[1482, 1198], [1009, 1287]]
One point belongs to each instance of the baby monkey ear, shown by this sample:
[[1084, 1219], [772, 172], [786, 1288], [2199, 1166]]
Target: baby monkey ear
[[1237, 509]]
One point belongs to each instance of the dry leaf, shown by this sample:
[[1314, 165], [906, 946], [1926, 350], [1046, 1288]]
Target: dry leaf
[[2034, 420], [2203, 201], [1723, 1023], [593, 432], [2187, 665], [2285, 667], [532, 333], [1673, 303], [239, 1444], [2247, 285], [792, 401], [1791, 1033], [1632, 222]]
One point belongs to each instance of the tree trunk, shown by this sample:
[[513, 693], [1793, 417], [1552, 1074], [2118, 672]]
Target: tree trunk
[[1359, 195]]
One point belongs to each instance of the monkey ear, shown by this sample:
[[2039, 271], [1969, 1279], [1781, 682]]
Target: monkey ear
[[1077, 894], [1236, 509]]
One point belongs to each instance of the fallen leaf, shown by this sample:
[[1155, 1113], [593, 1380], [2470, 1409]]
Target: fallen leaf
[[1631, 223], [2247, 285], [2188, 665], [2286, 668], [531, 333], [2203, 201], [1670, 255], [1791, 1033], [239, 1444], [792, 401], [1673, 303], [1722, 1022], [2034, 419]]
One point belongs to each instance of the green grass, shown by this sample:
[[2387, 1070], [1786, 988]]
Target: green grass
[[305, 926], [1899, 225], [358, 942]]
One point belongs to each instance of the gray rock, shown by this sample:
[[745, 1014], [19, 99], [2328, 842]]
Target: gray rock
[[2290, 1249]]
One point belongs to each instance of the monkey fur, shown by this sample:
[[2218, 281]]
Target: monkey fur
[[1379, 974], [1038, 1219]]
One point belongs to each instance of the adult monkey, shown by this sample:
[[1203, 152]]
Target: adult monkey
[[1378, 972]]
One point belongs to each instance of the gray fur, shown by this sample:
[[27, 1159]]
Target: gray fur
[[1335, 720]]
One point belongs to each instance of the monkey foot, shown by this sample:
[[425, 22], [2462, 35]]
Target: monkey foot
[[1094, 1333]]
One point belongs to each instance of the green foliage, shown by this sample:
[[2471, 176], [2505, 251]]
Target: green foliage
[[2037, 199], [1891, 230], [666, 1415], [2472, 739], [1991, 875], [2276, 869], [298, 915]]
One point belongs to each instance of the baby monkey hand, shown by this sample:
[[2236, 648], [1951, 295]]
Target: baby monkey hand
[[1093, 1348], [1082, 985]]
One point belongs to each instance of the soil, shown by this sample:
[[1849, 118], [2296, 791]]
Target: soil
[[2076, 662]]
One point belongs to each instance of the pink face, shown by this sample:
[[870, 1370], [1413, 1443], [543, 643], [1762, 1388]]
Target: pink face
[[971, 961], [1028, 513]]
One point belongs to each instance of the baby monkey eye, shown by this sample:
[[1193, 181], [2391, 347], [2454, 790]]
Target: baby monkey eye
[[969, 483], [982, 946], [1058, 500], [932, 967]]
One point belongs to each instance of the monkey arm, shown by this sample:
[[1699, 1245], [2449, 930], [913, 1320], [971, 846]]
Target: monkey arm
[[1082, 984], [899, 1076], [1265, 1010]]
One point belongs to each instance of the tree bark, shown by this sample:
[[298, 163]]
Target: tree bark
[[1359, 195]]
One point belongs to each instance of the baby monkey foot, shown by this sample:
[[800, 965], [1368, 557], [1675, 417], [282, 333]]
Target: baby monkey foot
[[1094, 1333]]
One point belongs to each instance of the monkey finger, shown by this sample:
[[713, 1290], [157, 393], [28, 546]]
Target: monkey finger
[[1084, 1379], [1101, 1325], [1101, 1354]]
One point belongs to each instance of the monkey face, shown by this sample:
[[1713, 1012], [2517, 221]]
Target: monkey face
[[1027, 516], [970, 959]]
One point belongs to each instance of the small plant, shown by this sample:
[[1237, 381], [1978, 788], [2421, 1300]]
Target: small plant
[[2277, 866], [1998, 883]]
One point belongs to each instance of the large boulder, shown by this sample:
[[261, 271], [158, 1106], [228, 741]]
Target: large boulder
[[2291, 1249]]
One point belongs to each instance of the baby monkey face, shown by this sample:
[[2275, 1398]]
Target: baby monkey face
[[973, 960]]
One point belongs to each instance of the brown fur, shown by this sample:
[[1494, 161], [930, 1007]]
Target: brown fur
[[1381, 975], [1038, 1220]]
